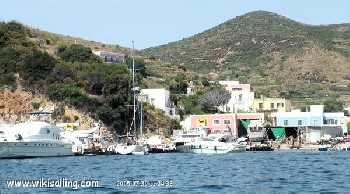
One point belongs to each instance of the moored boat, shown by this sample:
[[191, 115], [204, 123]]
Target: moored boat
[[34, 138], [155, 144], [205, 145], [128, 146], [189, 136]]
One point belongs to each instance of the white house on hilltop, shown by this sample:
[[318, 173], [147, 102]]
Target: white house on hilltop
[[241, 96], [159, 98]]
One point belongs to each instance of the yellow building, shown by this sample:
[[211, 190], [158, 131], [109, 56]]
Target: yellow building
[[264, 104]]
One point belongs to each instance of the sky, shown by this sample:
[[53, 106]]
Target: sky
[[151, 23]]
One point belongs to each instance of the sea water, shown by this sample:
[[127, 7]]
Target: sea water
[[249, 172]]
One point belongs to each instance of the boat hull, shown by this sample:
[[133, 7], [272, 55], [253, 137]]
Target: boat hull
[[34, 149], [131, 150], [210, 149]]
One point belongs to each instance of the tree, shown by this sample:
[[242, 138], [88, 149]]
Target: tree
[[9, 58], [215, 98], [37, 66], [94, 83], [332, 105], [180, 77], [78, 53], [140, 65], [62, 71], [178, 87], [205, 82], [174, 124], [36, 105], [3, 38]]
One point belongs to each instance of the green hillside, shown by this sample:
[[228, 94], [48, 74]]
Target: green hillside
[[65, 70], [279, 57]]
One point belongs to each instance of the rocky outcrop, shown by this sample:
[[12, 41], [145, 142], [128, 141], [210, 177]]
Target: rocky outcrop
[[15, 106]]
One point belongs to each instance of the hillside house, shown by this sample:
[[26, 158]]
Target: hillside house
[[241, 96], [264, 104], [110, 57], [160, 98]]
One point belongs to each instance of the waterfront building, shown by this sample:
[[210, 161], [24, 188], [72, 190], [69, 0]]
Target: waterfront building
[[218, 123], [313, 124], [160, 98]]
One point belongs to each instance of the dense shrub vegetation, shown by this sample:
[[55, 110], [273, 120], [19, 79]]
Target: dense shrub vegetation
[[77, 53], [76, 77]]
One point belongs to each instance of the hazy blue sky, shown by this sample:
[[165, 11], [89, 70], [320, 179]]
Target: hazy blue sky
[[155, 22]]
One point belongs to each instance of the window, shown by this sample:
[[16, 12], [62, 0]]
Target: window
[[332, 122], [261, 106], [152, 101], [315, 122], [272, 105], [285, 122], [216, 122], [228, 109], [280, 104], [240, 97], [300, 122], [227, 121]]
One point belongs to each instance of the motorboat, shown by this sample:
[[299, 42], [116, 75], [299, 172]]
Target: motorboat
[[35, 138], [156, 145], [188, 136], [206, 145]]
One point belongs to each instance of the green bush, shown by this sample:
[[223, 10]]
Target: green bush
[[77, 53], [9, 58], [36, 105], [37, 66]]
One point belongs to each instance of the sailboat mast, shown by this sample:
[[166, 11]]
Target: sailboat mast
[[141, 119], [133, 88]]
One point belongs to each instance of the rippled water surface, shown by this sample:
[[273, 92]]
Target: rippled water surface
[[250, 172]]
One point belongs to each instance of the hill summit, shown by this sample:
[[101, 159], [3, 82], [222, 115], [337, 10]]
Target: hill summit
[[279, 57]]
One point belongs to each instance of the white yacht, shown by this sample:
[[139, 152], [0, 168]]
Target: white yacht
[[189, 136], [34, 138], [207, 145]]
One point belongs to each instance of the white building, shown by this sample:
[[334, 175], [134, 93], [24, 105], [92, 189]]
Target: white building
[[241, 96], [160, 98]]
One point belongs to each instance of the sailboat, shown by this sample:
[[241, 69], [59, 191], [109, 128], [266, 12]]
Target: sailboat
[[129, 144]]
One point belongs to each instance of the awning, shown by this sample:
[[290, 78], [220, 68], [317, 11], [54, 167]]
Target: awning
[[279, 133]]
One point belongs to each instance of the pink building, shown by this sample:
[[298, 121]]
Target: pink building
[[216, 123]]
